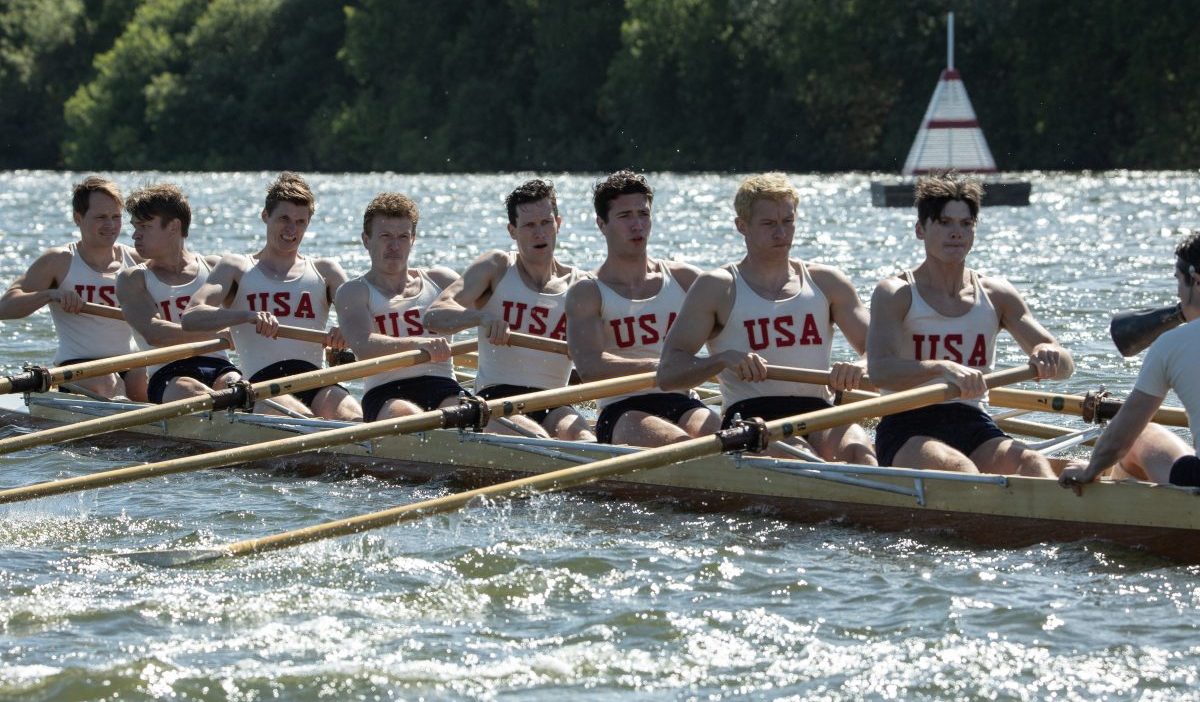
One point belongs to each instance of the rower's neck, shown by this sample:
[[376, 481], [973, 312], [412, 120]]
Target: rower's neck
[[950, 278], [277, 263], [174, 262], [98, 256], [392, 282], [536, 274], [629, 270], [770, 273]]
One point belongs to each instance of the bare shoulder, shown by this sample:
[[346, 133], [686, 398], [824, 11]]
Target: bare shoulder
[[583, 294], [442, 276], [235, 262], [828, 277], [132, 275], [716, 279], [892, 286], [1001, 292], [211, 260], [328, 267], [128, 250], [685, 273], [351, 292]]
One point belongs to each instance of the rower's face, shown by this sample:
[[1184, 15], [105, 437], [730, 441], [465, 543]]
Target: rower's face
[[152, 238], [950, 236], [390, 241], [536, 230], [770, 228], [629, 223], [102, 221], [286, 225]]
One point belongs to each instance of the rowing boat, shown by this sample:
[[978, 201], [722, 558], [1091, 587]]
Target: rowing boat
[[992, 510]]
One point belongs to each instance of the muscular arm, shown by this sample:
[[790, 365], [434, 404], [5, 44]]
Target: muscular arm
[[846, 309], [704, 310], [333, 273], [207, 310], [37, 286], [585, 338], [458, 307], [141, 312], [1117, 438], [1051, 359]]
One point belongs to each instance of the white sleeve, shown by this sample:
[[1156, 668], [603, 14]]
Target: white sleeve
[[1152, 379]]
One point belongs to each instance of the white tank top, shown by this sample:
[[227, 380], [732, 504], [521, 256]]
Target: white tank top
[[969, 339], [796, 332], [298, 302], [399, 317], [636, 329], [529, 312], [171, 300], [86, 335]]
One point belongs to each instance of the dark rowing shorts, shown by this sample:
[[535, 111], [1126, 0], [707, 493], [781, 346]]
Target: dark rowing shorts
[[961, 427], [73, 361], [499, 391], [771, 407], [425, 391], [206, 369], [1186, 471], [670, 406], [292, 366]]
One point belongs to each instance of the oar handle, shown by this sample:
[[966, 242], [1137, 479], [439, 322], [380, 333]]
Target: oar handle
[[538, 343], [315, 336], [1077, 405], [810, 376]]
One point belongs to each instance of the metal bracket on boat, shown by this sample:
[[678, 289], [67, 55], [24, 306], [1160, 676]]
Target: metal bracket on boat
[[34, 379], [470, 413], [239, 395], [1098, 406], [745, 435]]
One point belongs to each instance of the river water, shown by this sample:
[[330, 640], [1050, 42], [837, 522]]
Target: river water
[[565, 593]]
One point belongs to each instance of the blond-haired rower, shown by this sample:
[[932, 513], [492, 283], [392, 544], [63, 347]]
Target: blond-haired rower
[[771, 308]]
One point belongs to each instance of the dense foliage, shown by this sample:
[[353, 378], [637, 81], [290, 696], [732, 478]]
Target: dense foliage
[[468, 85]]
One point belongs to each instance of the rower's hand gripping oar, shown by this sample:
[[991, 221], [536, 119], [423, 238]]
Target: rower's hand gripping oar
[[40, 379], [241, 395], [472, 413], [748, 436]]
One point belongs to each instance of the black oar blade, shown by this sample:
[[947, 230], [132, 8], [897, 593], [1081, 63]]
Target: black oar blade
[[176, 558], [1134, 330]]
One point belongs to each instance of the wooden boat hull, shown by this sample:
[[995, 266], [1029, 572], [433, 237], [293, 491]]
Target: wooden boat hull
[[1014, 512]]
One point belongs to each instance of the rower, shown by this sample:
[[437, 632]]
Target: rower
[[1137, 447], [84, 271], [616, 322], [275, 284], [938, 323], [771, 308], [381, 313], [154, 293], [523, 291]]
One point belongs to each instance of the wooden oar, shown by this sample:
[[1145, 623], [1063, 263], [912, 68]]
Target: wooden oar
[[42, 379], [1093, 408], [470, 414], [242, 395], [746, 437]]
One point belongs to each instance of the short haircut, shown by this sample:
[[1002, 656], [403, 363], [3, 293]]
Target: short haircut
[[290, 187], [936, 189], [774, 187], [390, 205], [164, 200], [1188, 250], [624, 182], [534, 190], [81, 196]]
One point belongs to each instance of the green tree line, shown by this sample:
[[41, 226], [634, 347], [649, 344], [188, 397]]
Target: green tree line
[[481, 85]]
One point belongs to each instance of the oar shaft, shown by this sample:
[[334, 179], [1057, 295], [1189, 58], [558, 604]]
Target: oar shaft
[[424, 421], [203, 403], [620, 465], [116, 364], [315, 336], [1069, 404]]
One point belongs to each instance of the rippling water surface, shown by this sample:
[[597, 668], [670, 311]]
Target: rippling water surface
[[599, 599]]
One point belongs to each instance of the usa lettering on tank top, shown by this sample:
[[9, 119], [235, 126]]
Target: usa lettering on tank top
[[968, 339], [637, 328], [796, 331], [399, 316], [171, 300], [529, 312], [300, 301], [85, 335]]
